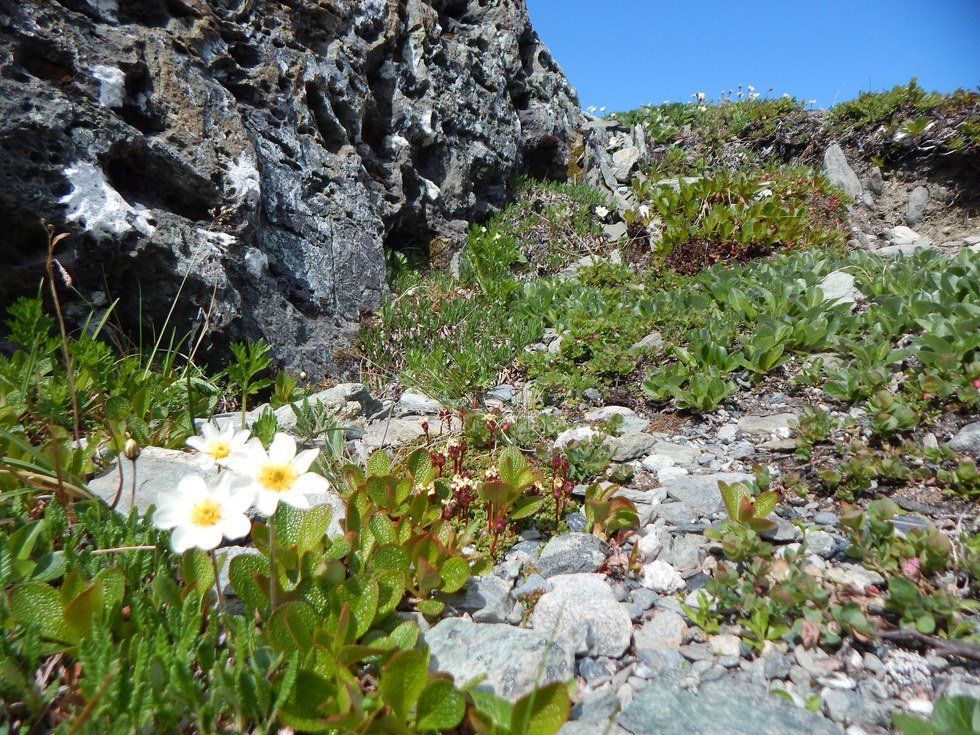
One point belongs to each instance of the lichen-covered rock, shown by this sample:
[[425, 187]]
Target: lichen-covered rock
[[510, 661], [262, 154]]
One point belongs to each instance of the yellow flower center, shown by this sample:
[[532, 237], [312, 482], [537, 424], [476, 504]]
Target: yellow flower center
[[220, 450], [277, 478], [206, 513]]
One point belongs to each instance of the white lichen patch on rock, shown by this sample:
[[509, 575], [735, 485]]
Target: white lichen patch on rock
[[243, 178], [112, 85], [99, 208]]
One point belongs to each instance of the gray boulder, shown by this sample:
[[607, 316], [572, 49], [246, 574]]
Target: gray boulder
[[487, 598], [263, 154], [967, 439], [664, 632], [582, 611], [839, 172], [571, 553], [727, 706], [700, 492], [917, 204], [155, 471], [512, 660]]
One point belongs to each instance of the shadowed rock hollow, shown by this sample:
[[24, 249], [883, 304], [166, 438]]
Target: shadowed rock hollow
[[266, 152]]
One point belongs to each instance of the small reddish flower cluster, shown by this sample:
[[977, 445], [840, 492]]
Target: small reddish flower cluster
[[561, 484]]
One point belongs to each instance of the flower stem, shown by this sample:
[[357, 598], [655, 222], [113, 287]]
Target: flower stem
[[272, 565], [217, 583]]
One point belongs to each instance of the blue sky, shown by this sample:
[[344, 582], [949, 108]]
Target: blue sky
[[624, 53]]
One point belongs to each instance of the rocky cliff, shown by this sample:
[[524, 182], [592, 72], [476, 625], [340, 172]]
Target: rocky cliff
[[258, 157]]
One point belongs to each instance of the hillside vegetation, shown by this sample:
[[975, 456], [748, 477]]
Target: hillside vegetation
[[703, 441]]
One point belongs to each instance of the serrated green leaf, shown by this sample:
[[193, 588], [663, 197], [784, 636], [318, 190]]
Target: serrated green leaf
[[454, 572], [403, 679], [378, 463], [36, 603], [541, 712], [291, 627], [313, 527], [361, 594], [243, 574], [440, 707]]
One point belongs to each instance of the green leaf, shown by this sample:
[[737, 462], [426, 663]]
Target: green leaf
[[542, 712], [36, 603], [390, 556], [361, 594], [288, 522], [291, 627], [440, 706], [382, 528], [81, 611], [454, 572], [313, 527], [378, 464], [243, 573], [430, 608], [765, 503], [526, 506], [402, 681]]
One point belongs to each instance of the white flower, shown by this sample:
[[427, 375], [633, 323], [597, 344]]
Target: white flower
[[281, 474], [602, 109], [750, 88], [644, 210], [217, 446], [592, 108], [201, 514], [601, 211]]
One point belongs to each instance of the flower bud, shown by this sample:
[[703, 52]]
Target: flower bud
[[131, 450]]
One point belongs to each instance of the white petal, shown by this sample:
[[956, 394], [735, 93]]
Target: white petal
[[199, 443], [181, 539], [311, 484], [266, 503], [206, 538], [236, 526], [192, 485], [282, 449], [295, 499], [304, 459], [210, 430], [166, 518], [239, 440]]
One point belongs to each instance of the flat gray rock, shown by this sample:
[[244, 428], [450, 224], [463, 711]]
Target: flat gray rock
[[156, 470], [631, 446], [839, 287], [487, 598], [727, 706], [780, 425], [571, 553], [513, 660], [582, 612], [666, 631], [917, 204], [393, 432], [631, 421], [700, 492], [341, 403], [416, 404]]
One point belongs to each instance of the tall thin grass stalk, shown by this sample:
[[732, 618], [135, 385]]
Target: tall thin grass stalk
[[49, 265]]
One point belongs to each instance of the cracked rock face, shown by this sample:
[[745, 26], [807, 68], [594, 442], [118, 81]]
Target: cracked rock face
[[259, 156]]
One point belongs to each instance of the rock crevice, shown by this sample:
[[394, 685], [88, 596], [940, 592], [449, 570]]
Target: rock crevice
[[259, 156]]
